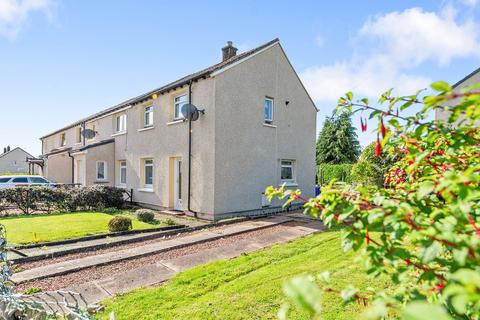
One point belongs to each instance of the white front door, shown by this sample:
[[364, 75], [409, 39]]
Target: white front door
[[80, 173], [177, 184]]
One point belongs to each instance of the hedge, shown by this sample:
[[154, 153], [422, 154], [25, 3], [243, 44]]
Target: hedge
[[340, 172], [34, 198]]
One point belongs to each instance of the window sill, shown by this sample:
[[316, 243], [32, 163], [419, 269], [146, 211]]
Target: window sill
[[101, 181], [269, 125], [175, 122], [148, 190], [146, 129], [288, 184], [119, 134]]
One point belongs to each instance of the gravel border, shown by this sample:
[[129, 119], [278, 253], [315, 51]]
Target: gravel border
[[22, 266], [100, 272]]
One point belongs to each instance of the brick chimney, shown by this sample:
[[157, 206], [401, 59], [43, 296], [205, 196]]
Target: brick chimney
[[229, 51]]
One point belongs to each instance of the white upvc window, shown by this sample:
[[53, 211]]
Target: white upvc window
[[148, 173], [268, 110], [78, 134], [123, 173], [121, 123], [178, 102], [101, 170], [63, 139], [287, 171], [148, 117]]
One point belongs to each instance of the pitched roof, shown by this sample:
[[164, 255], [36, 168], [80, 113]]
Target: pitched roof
[[466, 78], [173, 85], [5, 153]]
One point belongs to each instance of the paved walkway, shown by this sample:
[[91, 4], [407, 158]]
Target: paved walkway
[[64, 267], [96, 291]]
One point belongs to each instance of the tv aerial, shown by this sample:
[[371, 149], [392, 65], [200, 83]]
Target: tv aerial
[[191, 112]]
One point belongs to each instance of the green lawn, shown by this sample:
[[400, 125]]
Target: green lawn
[[52, 227], [250, 286]]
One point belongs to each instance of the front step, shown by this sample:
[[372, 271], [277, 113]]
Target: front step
[[173, 212]]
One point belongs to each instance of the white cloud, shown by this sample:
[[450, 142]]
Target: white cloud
[[470, 3], [401, 42], [15, 13]]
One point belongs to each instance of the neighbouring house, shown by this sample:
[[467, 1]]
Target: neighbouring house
[[257, 129], [15, 160], [472, 78]]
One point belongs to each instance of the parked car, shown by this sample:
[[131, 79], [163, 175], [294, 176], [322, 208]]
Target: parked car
[[16, 181]]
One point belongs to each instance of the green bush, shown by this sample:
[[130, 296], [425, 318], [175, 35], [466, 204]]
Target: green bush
[[111, 210], [120, 223], [340, 172], [36, 198], [145, 215], [369, 169], [169, 222]]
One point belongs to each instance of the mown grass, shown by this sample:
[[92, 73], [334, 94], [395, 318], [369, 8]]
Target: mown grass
[[52, 227], [250, 286]]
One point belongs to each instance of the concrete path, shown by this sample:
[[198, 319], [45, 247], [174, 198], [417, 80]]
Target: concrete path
[[96, 291], [64, 267], [83, 245]]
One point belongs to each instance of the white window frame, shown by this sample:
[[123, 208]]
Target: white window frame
[[63, 139], [105, 171], [268, 120], [148, 114], [144, 182], [121, 123], [177, 105], [292, 166], [78, 135], [122, 166]]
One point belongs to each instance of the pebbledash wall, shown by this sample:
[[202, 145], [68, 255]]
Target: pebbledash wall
[[235, 155], [472, 78]]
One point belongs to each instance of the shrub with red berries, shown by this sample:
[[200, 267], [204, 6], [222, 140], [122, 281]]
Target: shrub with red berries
[[423, 229]]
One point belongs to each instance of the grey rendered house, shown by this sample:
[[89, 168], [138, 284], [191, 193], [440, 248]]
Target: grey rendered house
[[15, 161], [472, 78], [258, 129]]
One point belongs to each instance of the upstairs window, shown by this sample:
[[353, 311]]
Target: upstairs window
[[121, 123], [148, 117], [101, 170], [78, 134], [287, 173], [63, 140], [268, 110], [177, 106]]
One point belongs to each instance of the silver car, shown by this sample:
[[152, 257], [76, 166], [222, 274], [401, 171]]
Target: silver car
[[18, 181]]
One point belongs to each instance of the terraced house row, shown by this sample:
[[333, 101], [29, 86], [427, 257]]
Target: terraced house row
[[257, 129]]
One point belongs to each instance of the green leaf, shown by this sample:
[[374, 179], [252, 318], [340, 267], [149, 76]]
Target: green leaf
[[349, 95], [441, 86], [305, 293], [424, 311]]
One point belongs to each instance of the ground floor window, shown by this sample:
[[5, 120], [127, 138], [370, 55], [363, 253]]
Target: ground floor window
[[101, 170], [123, 173], [148, 173], [287, 173]]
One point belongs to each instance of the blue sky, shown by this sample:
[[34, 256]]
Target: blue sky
[[62, 60]]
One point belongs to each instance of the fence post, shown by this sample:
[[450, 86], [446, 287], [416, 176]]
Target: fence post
[[131, 197]]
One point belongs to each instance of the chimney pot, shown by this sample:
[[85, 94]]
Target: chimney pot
[[229, 51]]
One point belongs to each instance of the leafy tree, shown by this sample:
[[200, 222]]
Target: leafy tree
[[370, 169], [338, 141], [423, 230]]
